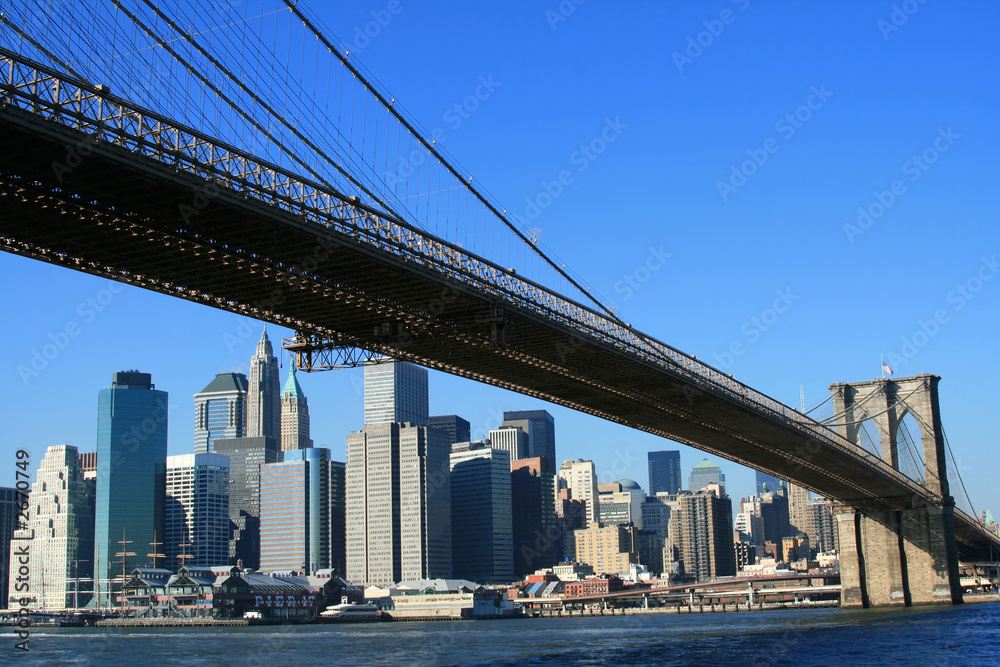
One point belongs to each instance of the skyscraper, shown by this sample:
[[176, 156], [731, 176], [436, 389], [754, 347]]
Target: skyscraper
[[458, 429], [398, 504], [762, 478], [481, 532], [220, 411], [664, 472], [395, 391], [294, 512], [9, 509], [581, 477], [774, 516], [800, 514], [538, 534], [706, 473], [512, 440], [59, 532], [338, 518], [197, 511], [541, 430], [246, 456], [263, 399], [701, 535], [131, 472], [294, 414]]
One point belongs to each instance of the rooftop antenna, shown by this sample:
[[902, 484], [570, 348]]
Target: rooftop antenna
[[802, 399]]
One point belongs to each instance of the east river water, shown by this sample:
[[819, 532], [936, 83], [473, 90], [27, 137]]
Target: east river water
[[927, 637]]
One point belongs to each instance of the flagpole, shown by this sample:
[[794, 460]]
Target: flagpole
[[882, 365]]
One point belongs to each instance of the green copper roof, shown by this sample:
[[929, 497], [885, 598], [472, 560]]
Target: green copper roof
[[705, 464], [291, 387], [226, 382]]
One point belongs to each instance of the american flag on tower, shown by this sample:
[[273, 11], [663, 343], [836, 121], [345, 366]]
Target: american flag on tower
[[886, 369]]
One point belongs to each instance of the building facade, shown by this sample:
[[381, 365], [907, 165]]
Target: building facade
[[581, 477], [220, 411], [398, 504], [197, 511], [338, 517], [294, 512], [608, 549], [458, 429], [263, 393], [131, 472], [664, 472], [705, 473], [246, 456], [481, 530], [9, 509], [59, 534], [395, 391], [512, 440], [538, 530], [540, 427], [701, 536], [294, 414]]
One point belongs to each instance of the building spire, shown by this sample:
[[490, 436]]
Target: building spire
[[264, 348], [292, 388]]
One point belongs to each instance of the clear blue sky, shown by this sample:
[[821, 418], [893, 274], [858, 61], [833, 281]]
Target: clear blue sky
[[869, 95]]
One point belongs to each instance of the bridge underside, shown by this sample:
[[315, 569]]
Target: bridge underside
[[139, 221]]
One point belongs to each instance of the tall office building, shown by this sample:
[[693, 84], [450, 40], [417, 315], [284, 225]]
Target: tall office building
[[294, 414], [581, 477], [800, 514], [197, 511], [263, 393], [9, 509], [395, 391], [220, 411], [664, 472], [481, 531], [398, 504], [295, 512], [538, 530], [620, 503], [131, 472], [608, 549], [824, 537], [512, 440], [541, 430], [774, 516], [762, 478], [59, 533], [656, 513], [701, 535], [706, 473], [338, 517], [458, 429], [246, 456]]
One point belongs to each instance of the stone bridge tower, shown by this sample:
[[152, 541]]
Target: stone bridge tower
[[906, 555]]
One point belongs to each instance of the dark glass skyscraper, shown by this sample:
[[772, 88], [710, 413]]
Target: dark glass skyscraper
[[246, 455], [458, 429], [664, 472], [541, 430], [220, 411], [131, 471]]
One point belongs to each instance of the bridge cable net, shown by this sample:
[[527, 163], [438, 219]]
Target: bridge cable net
[[169, 62], [264, 76]]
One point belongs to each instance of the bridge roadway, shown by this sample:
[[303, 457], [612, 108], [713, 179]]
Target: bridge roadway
[[92, 183]]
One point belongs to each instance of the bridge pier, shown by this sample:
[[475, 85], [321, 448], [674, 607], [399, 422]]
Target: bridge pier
[[908, 555]]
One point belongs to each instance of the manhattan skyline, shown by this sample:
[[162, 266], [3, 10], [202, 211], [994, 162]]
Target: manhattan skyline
[[775, 277]]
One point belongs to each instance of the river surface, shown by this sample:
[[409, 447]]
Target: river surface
[[927, 637]]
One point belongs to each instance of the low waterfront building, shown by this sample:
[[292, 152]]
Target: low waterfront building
[[600, 585]]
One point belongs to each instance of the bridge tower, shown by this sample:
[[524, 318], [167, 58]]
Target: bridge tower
[[903, 551]]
